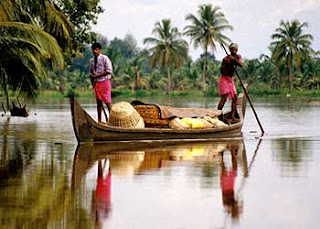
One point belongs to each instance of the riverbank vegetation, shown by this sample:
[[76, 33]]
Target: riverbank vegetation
[[46, 50]]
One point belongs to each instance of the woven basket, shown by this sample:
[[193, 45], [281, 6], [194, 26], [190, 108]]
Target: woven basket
[[151, 116], [124, 115]]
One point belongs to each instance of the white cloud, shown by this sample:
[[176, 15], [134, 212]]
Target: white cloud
[[304, 5]]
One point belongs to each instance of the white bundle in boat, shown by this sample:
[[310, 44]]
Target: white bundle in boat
[[190, 123], [215, 121]]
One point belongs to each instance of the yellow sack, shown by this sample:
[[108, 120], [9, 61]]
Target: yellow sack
[[176, 123], [187, 121], [197, 150], [192, 152], [194, 123]]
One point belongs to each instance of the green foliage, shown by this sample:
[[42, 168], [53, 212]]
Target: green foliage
[[206, 29], [82, 14], [115, 93], [38, 37], [124, 93], [71, 93], [212, 92], [141, 93], [126, 47], [313, 93], [27, 52], [265, 91]]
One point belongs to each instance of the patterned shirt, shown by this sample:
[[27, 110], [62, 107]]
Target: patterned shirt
[[103, 64]]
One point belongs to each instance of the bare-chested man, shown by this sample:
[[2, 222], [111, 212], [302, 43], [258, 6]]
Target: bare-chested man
[[226, 84]]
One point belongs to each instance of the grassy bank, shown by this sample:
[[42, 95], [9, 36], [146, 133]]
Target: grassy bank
[[82, 93], [215, 93], [119, 93]]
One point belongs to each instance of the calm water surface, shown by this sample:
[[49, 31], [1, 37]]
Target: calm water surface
[[47, 181]]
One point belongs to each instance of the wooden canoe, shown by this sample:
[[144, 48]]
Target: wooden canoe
[[86, 129]]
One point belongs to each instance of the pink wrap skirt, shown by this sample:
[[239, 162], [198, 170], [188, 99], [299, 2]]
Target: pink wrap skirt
[[102, 91], [226, 86]]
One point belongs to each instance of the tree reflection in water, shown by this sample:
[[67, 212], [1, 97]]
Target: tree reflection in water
[[35, 187], [16, 154], [292, 155]]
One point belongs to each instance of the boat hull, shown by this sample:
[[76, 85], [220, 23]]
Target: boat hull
[[88, 130]]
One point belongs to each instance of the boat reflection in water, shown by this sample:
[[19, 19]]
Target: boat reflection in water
[[97, 165]]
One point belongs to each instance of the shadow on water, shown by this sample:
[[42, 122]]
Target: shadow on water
[[220, 164], [16, 154]]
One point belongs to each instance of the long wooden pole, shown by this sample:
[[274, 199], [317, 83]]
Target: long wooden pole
[[105, 113], [245, 91]]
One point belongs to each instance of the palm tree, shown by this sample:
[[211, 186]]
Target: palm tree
[[49, 16], [291, 43], [136, 63], [252, 68], [311, 74], [168, 49], [26, 51], [67, 21], [269, 71], [205, 30]]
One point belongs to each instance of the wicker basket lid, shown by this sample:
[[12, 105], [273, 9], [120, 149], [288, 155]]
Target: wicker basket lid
[[123, 114]]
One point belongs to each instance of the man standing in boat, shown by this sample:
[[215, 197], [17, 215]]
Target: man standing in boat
[[100, 75], [226, 84]]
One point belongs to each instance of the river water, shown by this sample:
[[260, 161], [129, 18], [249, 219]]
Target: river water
[[272, 181]]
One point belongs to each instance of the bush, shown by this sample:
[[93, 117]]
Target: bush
[[115, 93], [141, 93], [71, 93], [212, 92]]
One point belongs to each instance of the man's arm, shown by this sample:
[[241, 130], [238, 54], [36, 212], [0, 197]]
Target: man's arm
[[237, 60], [91, 72], [101, 74]]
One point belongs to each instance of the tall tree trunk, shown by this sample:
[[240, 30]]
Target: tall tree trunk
[[277, 81], [204, 73], [169, 79], [290, 74], [5, 156], [137, 78], [5, 89], [280, 78], [61, 80], [290, 79]]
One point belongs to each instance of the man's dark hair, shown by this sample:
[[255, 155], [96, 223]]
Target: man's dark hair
[[96, 45]]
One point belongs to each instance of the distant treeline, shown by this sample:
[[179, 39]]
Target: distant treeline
[[132, 71], [45, 45], [290, 65]]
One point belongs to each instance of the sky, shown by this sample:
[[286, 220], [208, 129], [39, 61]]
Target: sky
[[253, 21]]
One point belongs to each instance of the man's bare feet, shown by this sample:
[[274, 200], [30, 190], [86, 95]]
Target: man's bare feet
[[234, 120]]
